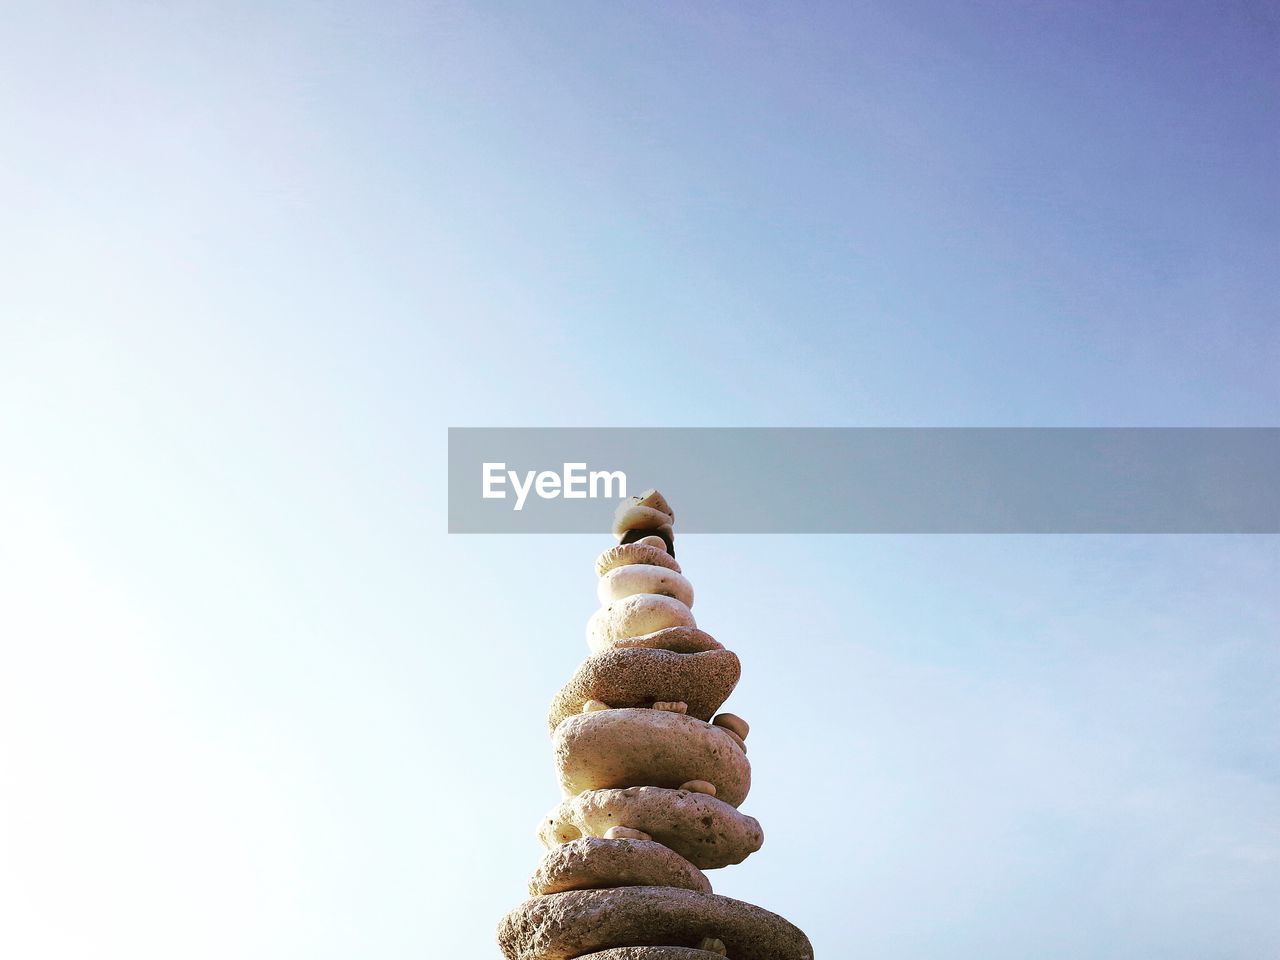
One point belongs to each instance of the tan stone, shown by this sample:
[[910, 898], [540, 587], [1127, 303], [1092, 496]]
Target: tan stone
[[700, 786], [664, 533], [675, 639], [704, 830], [563, 926], [632, 516], [653, 542], [632, 578], [738, 741], [635, 747], [591, 863], [642, 676], [652, 498], [733, 722], [634, 617], [639, 552], [651, 953]]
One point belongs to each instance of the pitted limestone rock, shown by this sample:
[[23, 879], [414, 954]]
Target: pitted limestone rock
[[634, 616], [590, 863], [734, 724], [563, 926], [652, 498], [634, 516], [635, 747], [704, 830], [664, 534], [652, 777], [629, 553], [652, 953], [633, 578], [675, 639], [640, 677]]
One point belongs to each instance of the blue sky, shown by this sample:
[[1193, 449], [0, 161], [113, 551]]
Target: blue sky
[[258, 257]]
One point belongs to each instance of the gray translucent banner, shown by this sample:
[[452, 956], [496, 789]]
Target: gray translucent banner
[[871, 480]]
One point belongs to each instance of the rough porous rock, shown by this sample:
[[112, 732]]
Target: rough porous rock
[[652, 953], [635, 747], [664, 533], [733, 723], [634, 616], [633, 516], [563, 926], [590, 863], [704, 830], [675, 639], [700, 786], [632, 578], [640, 677], [652, 498], [626, 553], [738, 741], [652, 777]]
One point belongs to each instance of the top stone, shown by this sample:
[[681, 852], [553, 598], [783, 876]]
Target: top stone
[[648, 515], [652, 498]]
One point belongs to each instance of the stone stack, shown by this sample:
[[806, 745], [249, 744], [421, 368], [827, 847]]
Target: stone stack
[[652, 778]]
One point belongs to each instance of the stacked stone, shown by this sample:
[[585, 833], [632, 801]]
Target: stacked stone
[[652, 778]]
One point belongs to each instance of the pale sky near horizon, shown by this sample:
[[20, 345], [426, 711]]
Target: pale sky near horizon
[[254, 701]]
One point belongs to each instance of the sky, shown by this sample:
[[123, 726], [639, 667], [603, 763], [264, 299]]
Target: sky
[[255, 702]]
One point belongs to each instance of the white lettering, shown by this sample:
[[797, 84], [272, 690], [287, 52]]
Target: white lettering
[[571, 492], [521, 492], [548, 484], [490, 478], [609, 478], [575, 482]]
